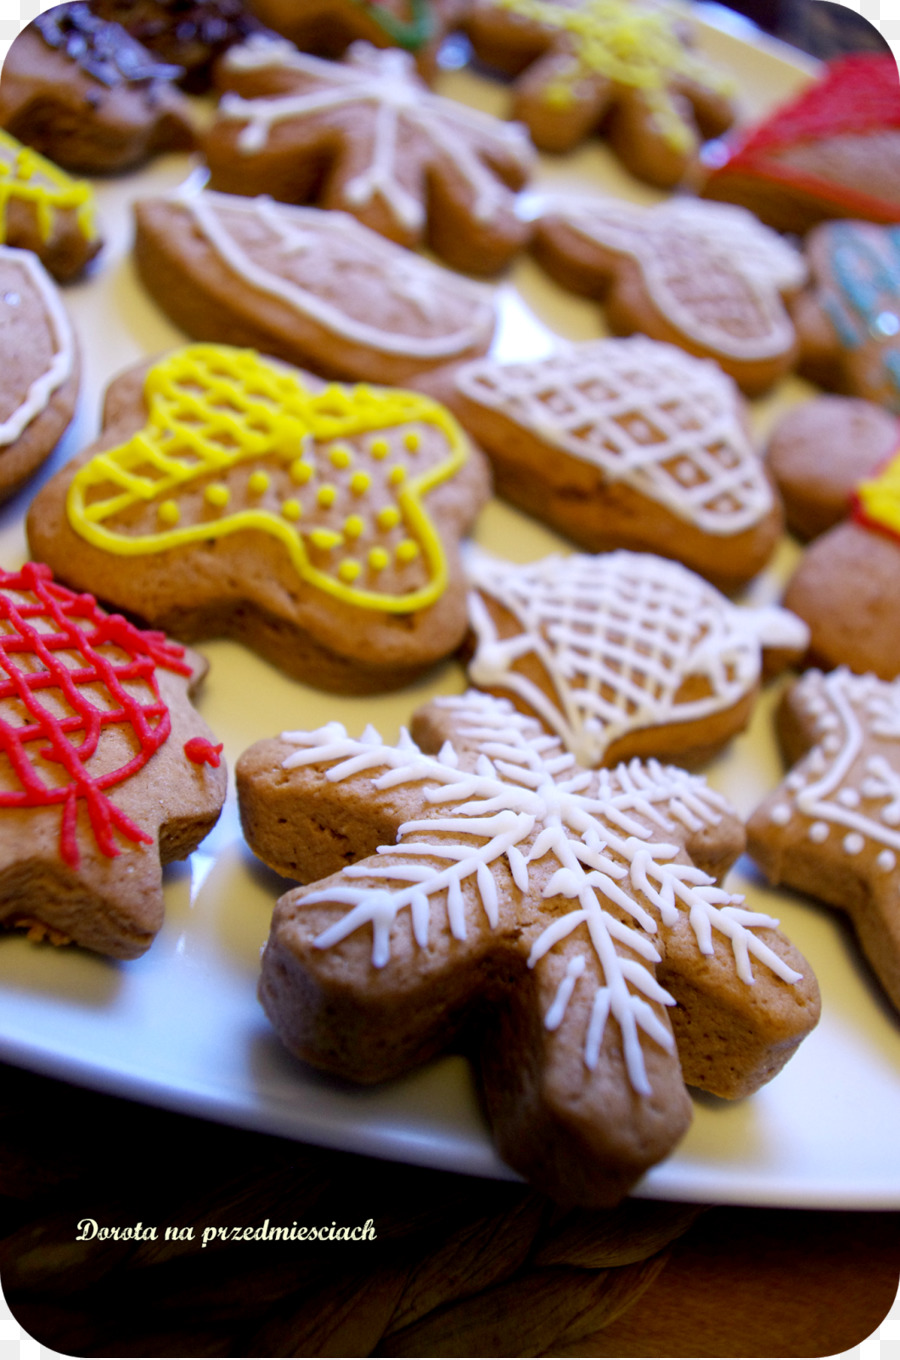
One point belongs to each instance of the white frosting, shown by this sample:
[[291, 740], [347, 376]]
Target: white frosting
[[397, 105], [509, 798], [850, 782], [711, 269], [617, 635], [16, 264], [647, 414], [333, 238]]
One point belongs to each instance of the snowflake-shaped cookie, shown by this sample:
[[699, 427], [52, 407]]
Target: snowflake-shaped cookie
[[107, 771], [367, 135], [563, 920], [621, 653], [706, 276], [832, 828], [623, 67]]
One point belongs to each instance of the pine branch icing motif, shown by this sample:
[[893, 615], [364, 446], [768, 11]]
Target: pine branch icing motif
[[597, 857], [399, 119], [647, 415], [617, 636]]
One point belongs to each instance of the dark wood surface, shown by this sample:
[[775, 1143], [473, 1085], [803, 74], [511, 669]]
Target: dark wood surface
[[458, 1267]]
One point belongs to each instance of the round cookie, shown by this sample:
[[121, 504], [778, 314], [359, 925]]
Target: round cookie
[[44, 210], [39, 368]]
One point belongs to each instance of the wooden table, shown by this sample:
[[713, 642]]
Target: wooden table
[[458, 1266]]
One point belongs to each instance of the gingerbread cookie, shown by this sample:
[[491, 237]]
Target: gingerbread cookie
[[832, 829], [366, 135], [44, 210], [838, 462], [848, 320], [833, 151], [707, 277], [232, 496], [108, 771], [622, 654], [85, 94], [39, 367], [190, 34], [564, 926], [623, 68], [328, 27], [625, 444], [312, 287]]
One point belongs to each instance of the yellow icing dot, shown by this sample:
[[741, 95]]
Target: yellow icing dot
[[349, 570], [379, 448], [258, 482], [396, 475], [388, 518], [168, 513], [292, 509], [354, 525], [378, 559], [412, 441], [326, 495], [407, 551], [325, 539], [341, 457], [216, 494], [360, 483], [300, 471]]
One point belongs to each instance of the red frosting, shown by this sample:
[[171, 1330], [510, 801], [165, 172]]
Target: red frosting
[[54, 640], [857, 94], [202, 752]]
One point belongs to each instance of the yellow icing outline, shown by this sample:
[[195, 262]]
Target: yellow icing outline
[[287, 416], [879, 496], [60, 191]]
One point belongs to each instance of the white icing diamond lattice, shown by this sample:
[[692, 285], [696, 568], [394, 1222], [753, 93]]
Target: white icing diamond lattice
[[649, 415]]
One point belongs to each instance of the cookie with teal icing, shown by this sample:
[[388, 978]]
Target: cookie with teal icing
[[848, 320]]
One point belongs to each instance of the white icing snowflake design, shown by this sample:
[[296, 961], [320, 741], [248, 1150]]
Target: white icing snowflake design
[[647, 414], [617, 635], [712, 269], [843, 789], [612, 836], [383, 88]]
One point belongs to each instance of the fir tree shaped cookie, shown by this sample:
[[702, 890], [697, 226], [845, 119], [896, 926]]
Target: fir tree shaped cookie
[[565, 925]]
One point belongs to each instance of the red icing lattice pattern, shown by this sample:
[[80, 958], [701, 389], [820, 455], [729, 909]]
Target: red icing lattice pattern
[[41, 624]]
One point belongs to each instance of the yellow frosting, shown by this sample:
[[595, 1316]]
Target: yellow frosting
[[234, 442], [26, 175], [628, 44], [879, 497]]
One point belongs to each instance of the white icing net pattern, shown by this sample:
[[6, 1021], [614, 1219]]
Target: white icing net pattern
[[617, 637], [711, 269], [647, 414], [510, 798]]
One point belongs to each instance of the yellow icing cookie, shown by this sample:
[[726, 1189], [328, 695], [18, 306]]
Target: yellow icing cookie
[[234, 443]]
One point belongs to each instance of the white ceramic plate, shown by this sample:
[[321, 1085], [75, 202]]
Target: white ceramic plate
[[181, 1027]]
